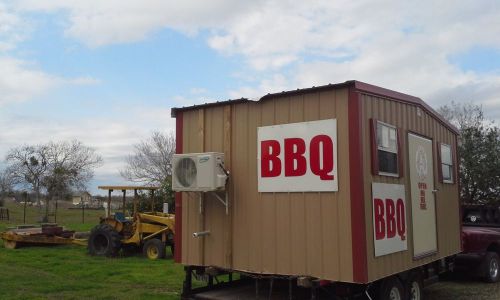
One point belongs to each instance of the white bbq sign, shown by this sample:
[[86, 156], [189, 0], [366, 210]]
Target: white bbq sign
[[298, 157], [389, 218]]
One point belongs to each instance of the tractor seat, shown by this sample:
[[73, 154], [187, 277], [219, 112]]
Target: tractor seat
[[120, 217]]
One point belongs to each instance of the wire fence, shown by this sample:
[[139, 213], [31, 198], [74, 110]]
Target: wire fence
[[63, 213]]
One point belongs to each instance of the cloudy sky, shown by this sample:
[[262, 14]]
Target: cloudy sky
[[107, 72]]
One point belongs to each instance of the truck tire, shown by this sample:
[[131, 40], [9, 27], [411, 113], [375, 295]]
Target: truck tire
[[391, 289], [154, 249], [414, 286], [104, 240], [490, 267]]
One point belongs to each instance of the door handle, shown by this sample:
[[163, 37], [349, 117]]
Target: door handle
[[435, 191]]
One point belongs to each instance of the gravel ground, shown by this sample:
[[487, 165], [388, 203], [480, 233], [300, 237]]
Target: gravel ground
[[463, 288]]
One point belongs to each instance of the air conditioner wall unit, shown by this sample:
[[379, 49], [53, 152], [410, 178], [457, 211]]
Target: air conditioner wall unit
[[198, 172]]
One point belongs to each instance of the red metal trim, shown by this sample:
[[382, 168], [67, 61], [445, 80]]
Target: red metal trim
[[358, 226], [374, 148], [178, 196]]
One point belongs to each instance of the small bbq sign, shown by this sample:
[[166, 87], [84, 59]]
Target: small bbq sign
[[298, 157], [389, 218]]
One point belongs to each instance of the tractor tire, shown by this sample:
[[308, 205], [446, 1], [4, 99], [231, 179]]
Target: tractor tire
[[154, 249], [104, 240]]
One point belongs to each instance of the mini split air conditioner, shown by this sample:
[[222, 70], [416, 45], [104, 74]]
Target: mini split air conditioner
[[198, 172]]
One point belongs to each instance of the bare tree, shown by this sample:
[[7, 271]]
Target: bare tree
[[6, 183], [152, 159], [28, 165], [463, 115], [70, 165], [54, 167]]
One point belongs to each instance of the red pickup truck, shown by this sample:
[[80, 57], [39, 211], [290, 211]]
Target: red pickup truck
[[480, 241]]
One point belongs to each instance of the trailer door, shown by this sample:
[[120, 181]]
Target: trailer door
[[423, 206]]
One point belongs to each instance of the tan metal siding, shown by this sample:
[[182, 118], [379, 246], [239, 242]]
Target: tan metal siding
[[404, 116], [276, 233]]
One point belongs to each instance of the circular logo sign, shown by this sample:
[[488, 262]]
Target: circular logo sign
[[421, 163]]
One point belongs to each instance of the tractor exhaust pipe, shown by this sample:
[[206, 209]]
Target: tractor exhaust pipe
[[201, 233]]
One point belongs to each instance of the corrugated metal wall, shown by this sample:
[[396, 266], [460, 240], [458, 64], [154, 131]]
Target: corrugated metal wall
[[274, 233], [404, 116], [302, 233]]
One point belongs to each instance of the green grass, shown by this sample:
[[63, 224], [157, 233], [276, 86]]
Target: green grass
[[68, 272]]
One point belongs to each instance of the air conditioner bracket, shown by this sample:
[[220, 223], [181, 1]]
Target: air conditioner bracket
[[224, 202]]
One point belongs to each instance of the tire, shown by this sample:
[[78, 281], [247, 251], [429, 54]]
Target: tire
[[414, 287], [104, 240], [154, 249], [391, 289], [490, 267]]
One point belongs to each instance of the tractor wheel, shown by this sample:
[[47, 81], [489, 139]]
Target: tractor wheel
[[154, 249], [104, 241]]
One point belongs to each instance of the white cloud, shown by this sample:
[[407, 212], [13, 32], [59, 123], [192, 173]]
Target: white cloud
[[12, 29], [97, 23], [20, 81]]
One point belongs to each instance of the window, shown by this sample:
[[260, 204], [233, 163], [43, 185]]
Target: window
[[446, 163], [386, 156]]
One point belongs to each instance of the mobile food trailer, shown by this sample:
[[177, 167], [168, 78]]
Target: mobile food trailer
[[346, 183]]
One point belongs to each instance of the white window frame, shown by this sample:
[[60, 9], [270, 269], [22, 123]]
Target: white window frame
[[381, 148], [450, 180]]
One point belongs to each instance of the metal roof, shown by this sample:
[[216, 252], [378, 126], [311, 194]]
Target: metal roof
[[356, 85]]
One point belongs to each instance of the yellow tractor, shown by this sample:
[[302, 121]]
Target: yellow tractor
[[150, 231]]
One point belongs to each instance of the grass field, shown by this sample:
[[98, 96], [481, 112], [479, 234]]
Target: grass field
[[67, 272]]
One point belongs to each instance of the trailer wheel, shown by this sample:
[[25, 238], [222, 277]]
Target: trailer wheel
[[104, 241], [491, 267], [415, 287], [391, 289], [154, 249]]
